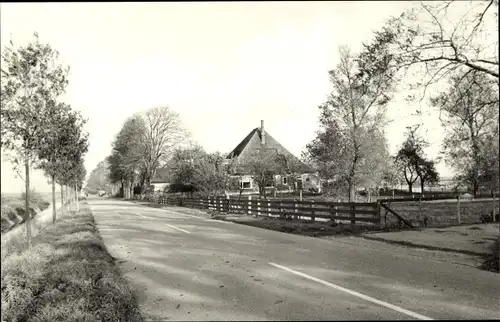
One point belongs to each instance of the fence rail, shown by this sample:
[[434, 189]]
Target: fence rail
[[284, 209]]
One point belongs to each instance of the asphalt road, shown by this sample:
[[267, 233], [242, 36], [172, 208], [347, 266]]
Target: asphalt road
[[185, 267]]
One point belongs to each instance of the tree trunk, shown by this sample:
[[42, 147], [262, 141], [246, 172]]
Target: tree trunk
[[352, 192], [53, 200], [410, 187], [62, 199], [76, 198], [422, 186], [27, 214], [68, 198], [475, 154]]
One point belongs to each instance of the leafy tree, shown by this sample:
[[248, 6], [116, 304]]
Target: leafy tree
[[196, 171], [31, 76], [100, 179], [410, 156], [351, 119], [62, 142], [427, 173], [263, 165], [127, 157], [77, 176], [489, 162], [469, 110]]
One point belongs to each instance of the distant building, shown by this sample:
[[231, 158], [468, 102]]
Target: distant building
[[162, 179], [259, 139]]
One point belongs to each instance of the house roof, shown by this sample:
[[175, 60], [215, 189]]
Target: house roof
[[162, 175], [252, 142]]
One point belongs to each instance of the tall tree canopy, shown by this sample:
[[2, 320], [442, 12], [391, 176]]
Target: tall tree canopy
[[470, 116], [351, 139]]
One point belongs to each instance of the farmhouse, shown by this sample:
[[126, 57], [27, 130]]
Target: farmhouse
[[161, 179], [304, 177]]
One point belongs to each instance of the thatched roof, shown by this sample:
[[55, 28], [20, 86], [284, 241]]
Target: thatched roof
[[253, 142]]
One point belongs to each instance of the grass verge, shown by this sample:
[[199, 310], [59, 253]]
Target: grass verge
[[67, 275], [491, 260], [299, 227]]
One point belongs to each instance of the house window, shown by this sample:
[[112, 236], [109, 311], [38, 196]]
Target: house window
[[245, 184], [285, 180]]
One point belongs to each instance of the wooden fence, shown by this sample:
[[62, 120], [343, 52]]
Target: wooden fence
[[439, 211], [410, 212], [365, 213]]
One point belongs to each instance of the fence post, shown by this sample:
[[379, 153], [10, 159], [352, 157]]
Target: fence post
[[228, 201], [269, 209], [280, 209], [300, 194], [493, 217], [332, 212], [249, 205], [258, 209], [353, 216], [295, 210], [419, 209], [458, 210], [379, 215], [312, 210]]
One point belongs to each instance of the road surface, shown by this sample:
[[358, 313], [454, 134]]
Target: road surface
[[185, 267]]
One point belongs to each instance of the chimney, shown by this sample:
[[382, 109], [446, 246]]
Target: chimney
[[262, 133]]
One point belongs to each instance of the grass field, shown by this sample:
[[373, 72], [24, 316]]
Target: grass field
[[67, 275]]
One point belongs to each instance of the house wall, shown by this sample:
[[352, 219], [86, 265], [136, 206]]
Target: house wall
[[307, 181], [160, 186]]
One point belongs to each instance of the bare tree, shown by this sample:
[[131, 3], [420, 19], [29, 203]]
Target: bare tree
[[163, 132], [441, 38]]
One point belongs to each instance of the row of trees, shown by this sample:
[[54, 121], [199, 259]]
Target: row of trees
[[38, 131], [450, 45]]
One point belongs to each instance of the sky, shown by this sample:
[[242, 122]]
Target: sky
[[223, 66]]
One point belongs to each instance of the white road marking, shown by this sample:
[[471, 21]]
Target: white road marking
[[171, 226], [179, 213], [179, 229], [138, 214], [221, 221], [364, 297]]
